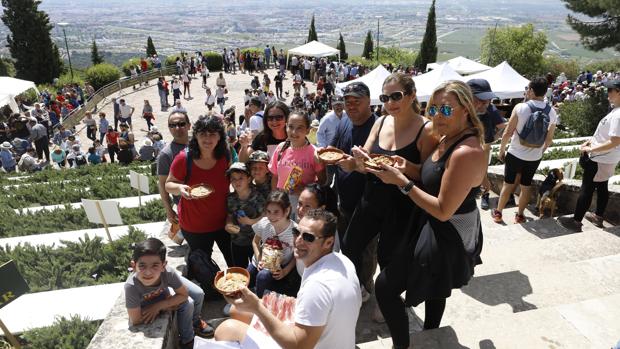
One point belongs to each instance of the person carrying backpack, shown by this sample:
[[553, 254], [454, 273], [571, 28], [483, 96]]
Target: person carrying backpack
[[530, 131]]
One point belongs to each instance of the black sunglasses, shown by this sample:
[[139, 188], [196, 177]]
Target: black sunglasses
[[307, 237], [395, 96], [275, 117], [178, 124]]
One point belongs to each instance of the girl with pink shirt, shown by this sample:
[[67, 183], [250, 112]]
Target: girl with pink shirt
[[295, 163]]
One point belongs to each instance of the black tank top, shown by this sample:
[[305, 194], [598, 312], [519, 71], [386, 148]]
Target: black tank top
[[432, 173], [409, 152]]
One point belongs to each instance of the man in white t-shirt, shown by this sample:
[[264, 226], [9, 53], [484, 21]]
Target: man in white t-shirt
[[126, 111], [522, 161], [329, 123], [328, 301], [256, 120], [603, 151]]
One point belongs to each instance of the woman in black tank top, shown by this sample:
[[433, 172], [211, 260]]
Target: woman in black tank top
[[383, 209], [445, 237]]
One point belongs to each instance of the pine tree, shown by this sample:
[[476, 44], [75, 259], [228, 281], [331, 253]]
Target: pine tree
[[428, 48], [95, 57], [602, 31], [342, 48], [312, 32], [368, 46], [36, 57], [150, 48]]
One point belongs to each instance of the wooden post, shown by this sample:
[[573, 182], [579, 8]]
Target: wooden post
[[14, 342], [105, 224], [139, 193]]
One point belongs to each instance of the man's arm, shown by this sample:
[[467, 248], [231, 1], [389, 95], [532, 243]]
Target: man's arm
[[165, 199], [512, 126]]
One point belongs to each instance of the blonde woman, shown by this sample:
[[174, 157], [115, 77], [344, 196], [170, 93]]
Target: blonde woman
[[445, 240]]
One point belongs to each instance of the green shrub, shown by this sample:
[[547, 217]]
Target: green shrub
[[102, 74], [133, 61], [582, 117], [214, 60], [50, 174], [64, 79], [172, 59], [85, 263], [387, 55], [71, 333], [610, 65], [556, 65]]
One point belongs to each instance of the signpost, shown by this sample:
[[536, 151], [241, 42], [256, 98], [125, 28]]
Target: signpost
[[139, 182], [102, 212], [13, 285]]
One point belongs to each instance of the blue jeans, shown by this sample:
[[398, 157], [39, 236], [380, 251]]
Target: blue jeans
[[188, 313]]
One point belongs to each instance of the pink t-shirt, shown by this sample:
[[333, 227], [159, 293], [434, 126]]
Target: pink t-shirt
[[302, 158]]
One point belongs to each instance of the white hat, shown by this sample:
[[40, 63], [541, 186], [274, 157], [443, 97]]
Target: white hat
[[154, 129], [6, 146], [314, 123], [147, 142]]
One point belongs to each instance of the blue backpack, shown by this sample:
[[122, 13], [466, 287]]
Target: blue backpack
[[534, 132]]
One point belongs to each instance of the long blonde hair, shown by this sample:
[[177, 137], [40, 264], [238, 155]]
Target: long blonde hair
[[463, 95]]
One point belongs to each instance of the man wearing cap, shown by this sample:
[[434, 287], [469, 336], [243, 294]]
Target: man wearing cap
[[258, 165], [178, 125], [38, 135], [6, 157], [600, 155], [493, 124], [353, 129], [329, 123]]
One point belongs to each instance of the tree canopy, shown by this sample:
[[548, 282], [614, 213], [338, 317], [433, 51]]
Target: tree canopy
[[428, 48], [312, 32], [522, 47], [342, 48], [35, 56], [601, 31], [95, 57], [368, 46], [150, 48]]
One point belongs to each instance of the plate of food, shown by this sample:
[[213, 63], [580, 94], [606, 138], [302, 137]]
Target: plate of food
[[330, 155], [230, 282], [376, 160], [201, 191]]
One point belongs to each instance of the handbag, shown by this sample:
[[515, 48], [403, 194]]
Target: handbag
[[583, 159]]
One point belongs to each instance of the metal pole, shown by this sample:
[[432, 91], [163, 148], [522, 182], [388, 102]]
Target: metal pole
[[378, 18], [68, 54]]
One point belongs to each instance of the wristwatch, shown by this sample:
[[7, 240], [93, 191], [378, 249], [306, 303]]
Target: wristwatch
[[405, 189]]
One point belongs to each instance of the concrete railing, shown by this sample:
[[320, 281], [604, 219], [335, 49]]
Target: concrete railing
[[77, 115]]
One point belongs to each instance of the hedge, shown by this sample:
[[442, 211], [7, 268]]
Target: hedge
[[50, 174], [102, 74], [85, 263], [64, 333], [68, 218], [582, 116], [133, 61], [214, 60]]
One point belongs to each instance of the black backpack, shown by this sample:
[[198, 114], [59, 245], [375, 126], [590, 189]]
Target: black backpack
[[203, 269]]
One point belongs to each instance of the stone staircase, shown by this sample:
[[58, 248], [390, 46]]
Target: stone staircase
[[540, 286]]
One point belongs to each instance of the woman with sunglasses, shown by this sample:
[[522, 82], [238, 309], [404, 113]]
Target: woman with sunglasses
[[405, 135], [273, 133], [202, 219], [445, 239]]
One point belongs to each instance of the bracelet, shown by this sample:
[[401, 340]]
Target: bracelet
[[406, 189]]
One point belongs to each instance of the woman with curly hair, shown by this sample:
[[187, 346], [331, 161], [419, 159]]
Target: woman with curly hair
[[202, 219], [273, 133]]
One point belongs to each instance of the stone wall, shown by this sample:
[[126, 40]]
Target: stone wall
[[568, 196]]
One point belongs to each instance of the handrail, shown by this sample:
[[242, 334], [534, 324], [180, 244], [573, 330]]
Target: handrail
[[77, 114]]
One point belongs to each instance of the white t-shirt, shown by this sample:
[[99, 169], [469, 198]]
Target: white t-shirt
[[523, 112], [327, 128], [307, 64], [256, 122], [125, 111], [210, 100], [265, 230], [608, 127], [330, 296]]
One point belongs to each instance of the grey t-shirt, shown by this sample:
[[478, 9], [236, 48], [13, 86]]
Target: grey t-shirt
[[138, 296], [164, 160]]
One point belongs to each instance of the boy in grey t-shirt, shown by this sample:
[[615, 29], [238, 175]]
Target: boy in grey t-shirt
[[147, 293]]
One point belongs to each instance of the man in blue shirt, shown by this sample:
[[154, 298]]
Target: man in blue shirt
[[267, 56], [6, 157]]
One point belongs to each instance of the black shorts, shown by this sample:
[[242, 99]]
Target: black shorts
[[514, 165]]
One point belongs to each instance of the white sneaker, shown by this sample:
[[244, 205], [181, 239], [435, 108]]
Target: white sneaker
[[365, 295]]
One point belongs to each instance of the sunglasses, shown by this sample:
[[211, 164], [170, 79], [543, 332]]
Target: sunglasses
[[395, 96], [178, 124], [444, 109], [276, 117], [307, 237]]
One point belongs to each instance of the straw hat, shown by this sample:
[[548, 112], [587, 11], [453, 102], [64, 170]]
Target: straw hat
[[6, 146]]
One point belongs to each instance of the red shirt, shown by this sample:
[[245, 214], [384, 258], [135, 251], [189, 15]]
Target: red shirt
[[208, 214], [112, 137]]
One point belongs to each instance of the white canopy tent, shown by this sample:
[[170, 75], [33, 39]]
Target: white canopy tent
[[374, 80], [504, 80], [426, 83], [461, 65], [314, 49], [11, 87]]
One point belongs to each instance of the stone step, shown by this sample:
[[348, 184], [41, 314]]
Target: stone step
[[151, 229], [590, 323], [39, 309]]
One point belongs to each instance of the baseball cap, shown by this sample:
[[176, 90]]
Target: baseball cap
[[481, 89], [237, 167], [356, 89], [337, 100], [259, 156], [615, 84]]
